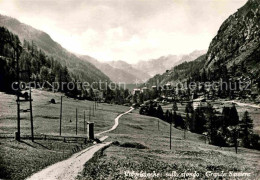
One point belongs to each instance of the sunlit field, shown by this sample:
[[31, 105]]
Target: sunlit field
[[142, 147], [21, 159]]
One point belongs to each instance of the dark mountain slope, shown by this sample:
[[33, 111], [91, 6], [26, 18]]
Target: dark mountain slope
[[233, 53], [179, 72], [83, 70], [238, 39]]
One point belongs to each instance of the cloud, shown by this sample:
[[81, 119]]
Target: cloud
[[127, 30]]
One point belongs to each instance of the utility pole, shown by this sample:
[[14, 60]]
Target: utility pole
[[76, 121], [235, 139], [31, 115], [84, 122], [170, 135], [93, 110], [89, 113], [60, 113], [18, 133]]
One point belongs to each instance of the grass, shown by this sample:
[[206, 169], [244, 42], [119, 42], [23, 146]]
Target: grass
[[21, 159], [140, 145], [189, 155], [46, 115]]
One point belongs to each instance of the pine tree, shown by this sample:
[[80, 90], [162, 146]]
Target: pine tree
[[203, 76], [199, 121], [233, 116], [159, 112], [189, 108], [246, 129], [186, 124], [174, 106], [211, 124]]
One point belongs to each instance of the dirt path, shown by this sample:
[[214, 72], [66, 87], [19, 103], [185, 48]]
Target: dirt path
[[116, 123], [70, 168], [245, 104]]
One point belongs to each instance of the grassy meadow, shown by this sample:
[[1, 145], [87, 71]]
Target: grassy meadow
[[140, 145], [142, 148], [21, 159]]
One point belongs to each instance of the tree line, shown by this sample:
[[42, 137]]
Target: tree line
[[223, 129], [44, 68]]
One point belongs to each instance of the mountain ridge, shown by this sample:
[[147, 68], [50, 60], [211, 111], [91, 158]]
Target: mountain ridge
[[233, 53], [238, 38], [115, 74], [163, 63], [84, 71]]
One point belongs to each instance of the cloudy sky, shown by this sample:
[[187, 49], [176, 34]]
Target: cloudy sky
[[129, 30]]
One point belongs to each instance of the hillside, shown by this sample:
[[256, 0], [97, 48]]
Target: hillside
[[141, 148], [33, 156], [121, 71], [140, 74], [83, 70], [160, 65], [238, 40], [179, 72], [118, 73], [233, 52]]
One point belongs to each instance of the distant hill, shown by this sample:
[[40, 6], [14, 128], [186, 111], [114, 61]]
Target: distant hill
[[118, 75], [139, 74], [83, 70], [121, 71], [160, 65], [178, 73]]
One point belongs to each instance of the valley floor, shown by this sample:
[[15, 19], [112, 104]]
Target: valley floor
[[143, 151], [19, 160], [139, 146]]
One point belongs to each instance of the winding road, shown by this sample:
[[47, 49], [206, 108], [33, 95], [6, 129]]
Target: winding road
[[245, 104], [70, 168]]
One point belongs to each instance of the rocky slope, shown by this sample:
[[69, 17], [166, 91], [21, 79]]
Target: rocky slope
[[238, 39], [236, 44]]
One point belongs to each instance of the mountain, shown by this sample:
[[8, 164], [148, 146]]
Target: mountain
[[160, 65], [139, 74], [233, 53], [238, 40], [118, 75], [121, 71], [178, 73], [83, 70]]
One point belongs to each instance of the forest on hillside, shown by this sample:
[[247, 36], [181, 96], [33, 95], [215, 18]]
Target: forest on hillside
[[41, 68]]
